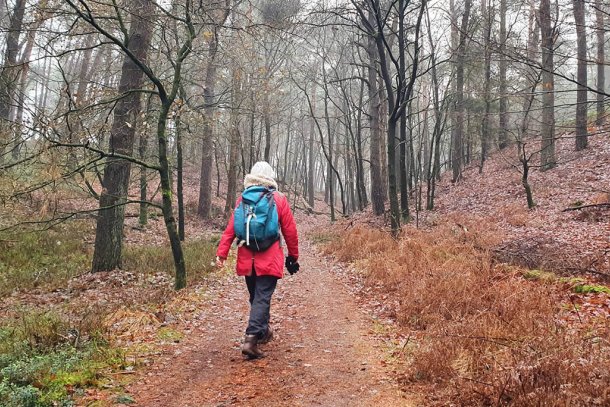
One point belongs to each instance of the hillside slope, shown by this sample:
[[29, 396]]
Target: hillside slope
[[547, 236]]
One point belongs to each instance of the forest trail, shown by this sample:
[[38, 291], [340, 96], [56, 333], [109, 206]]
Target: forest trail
[[323, 354]]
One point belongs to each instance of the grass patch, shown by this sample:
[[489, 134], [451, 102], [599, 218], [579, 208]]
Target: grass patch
[[199, 256], [44, 361], [483, 336], [167, 334], [50, 257], [321, 238]]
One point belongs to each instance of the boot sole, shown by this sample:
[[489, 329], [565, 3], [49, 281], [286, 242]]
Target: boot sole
[[252, 356]]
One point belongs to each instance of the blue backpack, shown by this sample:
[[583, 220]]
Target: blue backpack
[[256, 220]]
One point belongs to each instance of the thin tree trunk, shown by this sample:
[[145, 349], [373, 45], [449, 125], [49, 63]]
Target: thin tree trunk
[[404, 190], [547, 153], [180, 176], [362, 196], [234, 138], [207, 142], [503, 131], [581, 75], [142, 154], [485, 127], [458, 141], [601, 75], [377, 195], [311, 158], [267, 122]]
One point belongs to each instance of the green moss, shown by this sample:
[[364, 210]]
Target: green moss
[[590, 289], [572, 280], [539, 275]]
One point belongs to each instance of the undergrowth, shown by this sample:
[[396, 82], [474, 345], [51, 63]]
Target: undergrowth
[[48, 358], [44, 361], [198, 256], [485, 335], [49, 257]]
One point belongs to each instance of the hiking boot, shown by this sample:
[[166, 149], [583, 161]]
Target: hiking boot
[[250, 347], [268, 337]]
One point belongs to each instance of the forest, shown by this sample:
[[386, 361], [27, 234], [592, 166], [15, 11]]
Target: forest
[[447, 164]]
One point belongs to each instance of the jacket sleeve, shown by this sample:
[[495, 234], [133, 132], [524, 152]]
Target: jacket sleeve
[[226, 240], [289, 227]]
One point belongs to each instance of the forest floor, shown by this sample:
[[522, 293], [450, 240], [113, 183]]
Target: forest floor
[[344, 338], [327, 350]]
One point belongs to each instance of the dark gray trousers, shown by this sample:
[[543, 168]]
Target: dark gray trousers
[[261, 289]]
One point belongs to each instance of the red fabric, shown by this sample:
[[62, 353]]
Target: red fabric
[[271, 261]]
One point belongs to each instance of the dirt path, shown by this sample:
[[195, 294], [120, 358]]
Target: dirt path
[[323, 354]]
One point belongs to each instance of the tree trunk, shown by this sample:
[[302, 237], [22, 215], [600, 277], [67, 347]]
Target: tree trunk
[[485, 127], [581, 75], [402, 73], [383, 141], [109, 230], [234, 139], [547, 150], [362, 196], [10, 73], [267, 122], [311, 158], [179, 176], [458, 141], [207, 142], [142, 155], [377, 196], [601, 75], [503, 131], [329, 156]]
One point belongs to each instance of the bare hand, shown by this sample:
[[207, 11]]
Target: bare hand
[[220, 262]]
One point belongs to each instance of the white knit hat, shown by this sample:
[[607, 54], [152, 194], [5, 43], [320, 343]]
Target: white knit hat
[[262, 169], [261, 174]]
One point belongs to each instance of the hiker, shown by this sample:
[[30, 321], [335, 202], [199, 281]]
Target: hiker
[[259, 215]]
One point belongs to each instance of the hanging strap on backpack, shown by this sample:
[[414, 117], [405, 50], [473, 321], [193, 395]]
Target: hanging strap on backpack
[[248, 219]]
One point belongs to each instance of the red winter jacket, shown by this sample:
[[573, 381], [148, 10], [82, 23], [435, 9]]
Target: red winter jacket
[[271, 261]]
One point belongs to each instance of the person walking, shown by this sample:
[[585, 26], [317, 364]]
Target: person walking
[[261, 212]]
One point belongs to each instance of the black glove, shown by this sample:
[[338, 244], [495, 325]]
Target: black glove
[[291, 265]]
